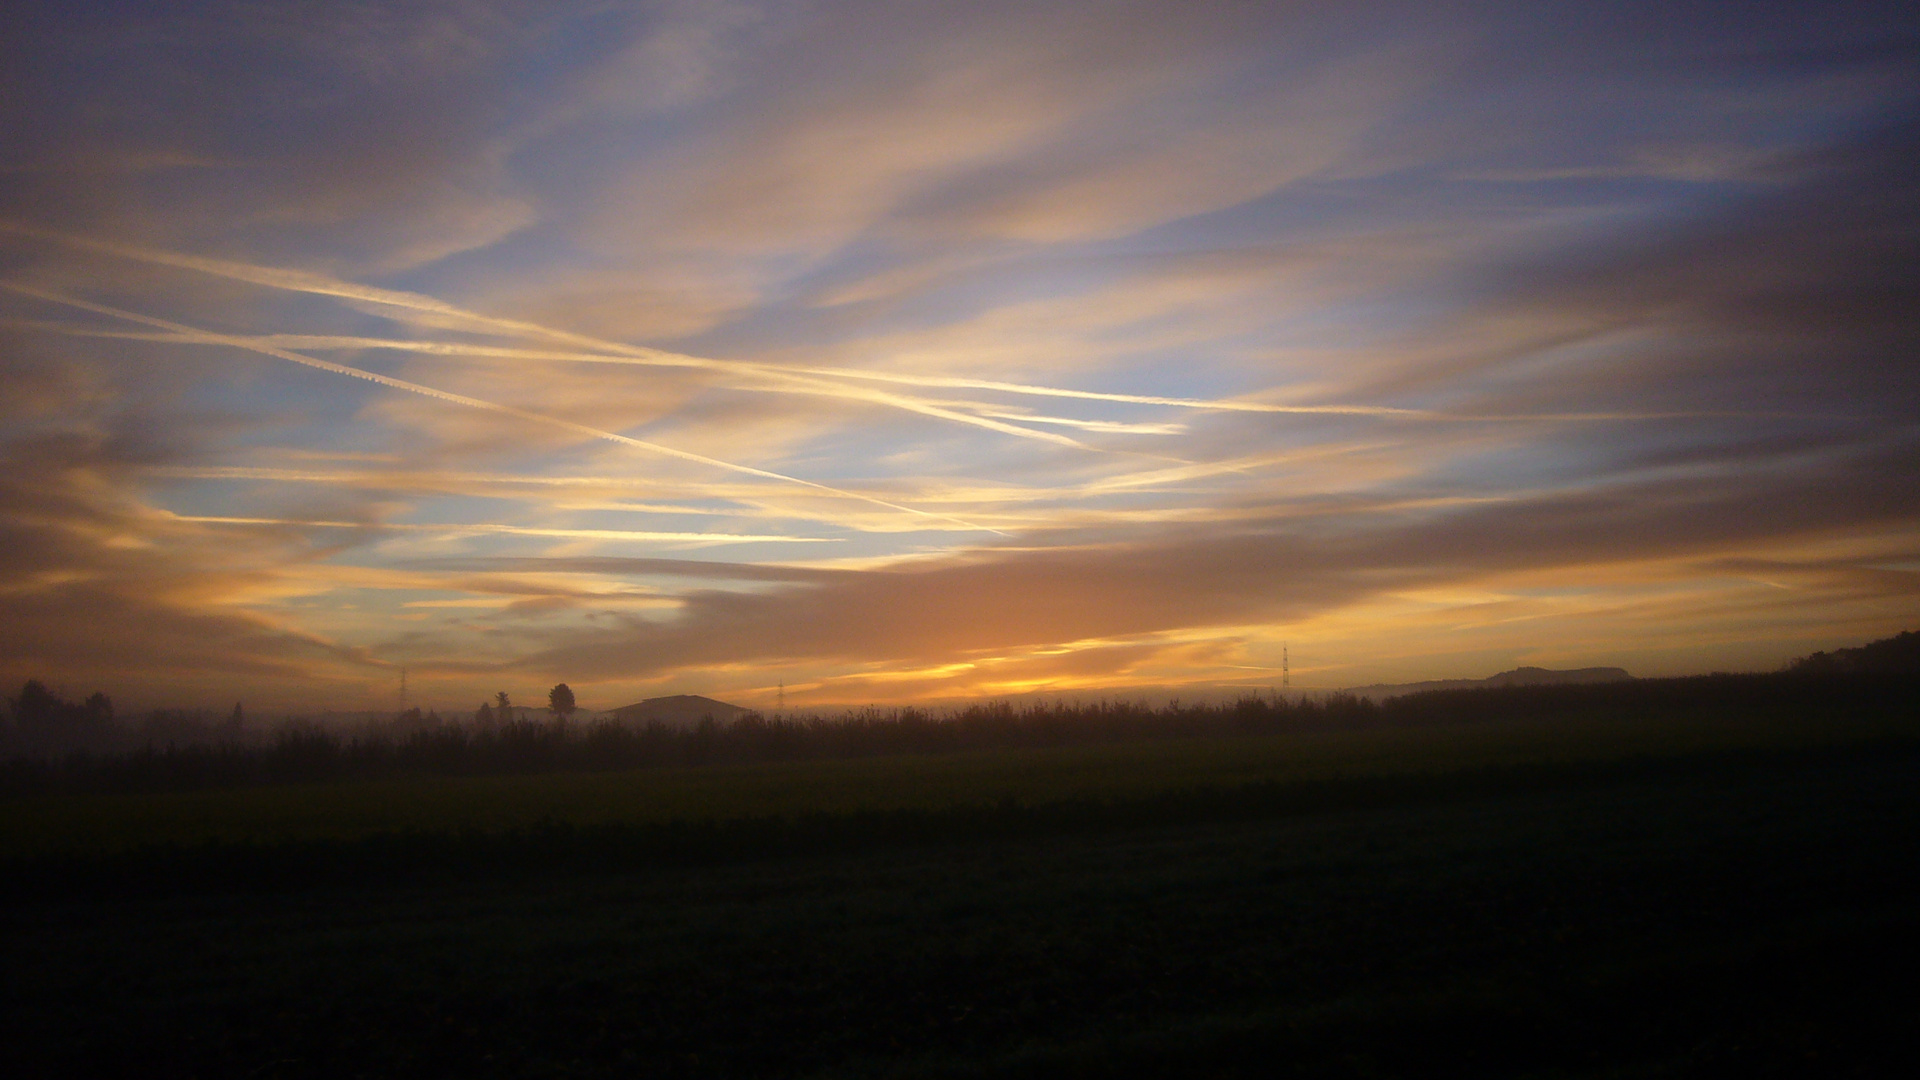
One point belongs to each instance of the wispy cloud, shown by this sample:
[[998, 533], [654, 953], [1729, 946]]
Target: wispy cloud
[[1047, 346]]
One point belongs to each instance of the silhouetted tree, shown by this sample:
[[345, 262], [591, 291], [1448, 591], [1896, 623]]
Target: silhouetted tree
[[48, 722], [483, 716], [501, 703], [1897, 655], [560, 700], [36, 706]]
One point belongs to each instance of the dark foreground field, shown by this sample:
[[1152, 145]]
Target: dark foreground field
[[1718, 905]]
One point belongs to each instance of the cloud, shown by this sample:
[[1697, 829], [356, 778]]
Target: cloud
[[100, 589], [362, 136], [990, 603], [690, 539], [631, 567], [1430, 332], [1797, 301]]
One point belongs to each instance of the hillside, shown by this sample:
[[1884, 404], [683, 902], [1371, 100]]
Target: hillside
[[1524, 676], [677, 711]]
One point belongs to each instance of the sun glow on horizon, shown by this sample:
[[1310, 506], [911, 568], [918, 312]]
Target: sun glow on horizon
[[975, 354]]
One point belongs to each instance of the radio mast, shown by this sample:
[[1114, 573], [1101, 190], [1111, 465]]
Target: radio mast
[[1286, 676]]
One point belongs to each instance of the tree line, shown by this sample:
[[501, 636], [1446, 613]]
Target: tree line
[[307, 752], [41, 723], [1888, 656]]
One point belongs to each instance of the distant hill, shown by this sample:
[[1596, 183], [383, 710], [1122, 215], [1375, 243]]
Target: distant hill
[[677, 711], [1526, 676], [1897, 655]]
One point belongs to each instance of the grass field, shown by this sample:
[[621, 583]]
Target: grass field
[[98, 824], [1624, 897]]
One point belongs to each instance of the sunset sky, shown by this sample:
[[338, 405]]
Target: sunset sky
[[916, 351]]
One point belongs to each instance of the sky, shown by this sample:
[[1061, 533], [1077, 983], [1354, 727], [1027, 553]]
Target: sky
[[922, 352]]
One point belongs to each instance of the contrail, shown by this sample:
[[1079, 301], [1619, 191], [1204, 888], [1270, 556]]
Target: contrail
[[790, 381], [293, 281], [805, 380], [661, 358], [1242, 405], [1121, 426], [302, 281], [472, 402], [515, 530], [453, 481], [319, 284]]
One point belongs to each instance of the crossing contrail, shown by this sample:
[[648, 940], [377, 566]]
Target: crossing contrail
[[322, 285], [808, 380], [210, 337], [782, 380], [601, 350]]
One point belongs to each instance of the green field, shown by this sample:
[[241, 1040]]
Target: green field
[[1624, 897]]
